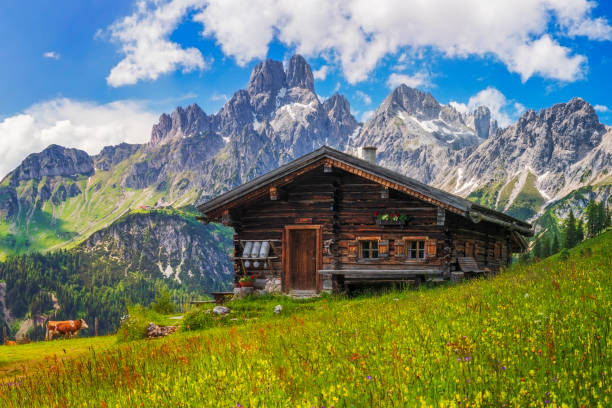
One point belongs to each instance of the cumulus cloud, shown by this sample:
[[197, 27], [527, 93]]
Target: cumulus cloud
[[364, 97], [366, 115], [359, 33], [418, 80], [601, 108], [83, 125], [51, 55], [143, 38], [503, 110], [321, 73]]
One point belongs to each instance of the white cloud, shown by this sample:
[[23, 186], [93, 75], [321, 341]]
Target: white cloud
[[420, 79], [321, 73], [144, 40], [364, 97], [359, 33], [219, 97], [51, 55], [601, 108], [83, 125], [503, 110], [366, 115]]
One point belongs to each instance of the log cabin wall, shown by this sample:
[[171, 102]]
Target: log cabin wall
[[360, 200], [343, 205], [309, 200], [490, 243]]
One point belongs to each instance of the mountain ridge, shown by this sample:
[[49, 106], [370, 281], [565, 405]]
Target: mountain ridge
[[59, 197]]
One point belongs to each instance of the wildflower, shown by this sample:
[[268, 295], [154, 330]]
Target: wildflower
[[504, 368], [369, 377]]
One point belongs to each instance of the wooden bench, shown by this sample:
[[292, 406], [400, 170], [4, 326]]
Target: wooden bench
[[200, 302], [468, 264], [342, 277], [221, 297]]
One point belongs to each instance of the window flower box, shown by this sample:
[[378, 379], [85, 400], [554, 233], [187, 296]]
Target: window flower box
[[391, 218]]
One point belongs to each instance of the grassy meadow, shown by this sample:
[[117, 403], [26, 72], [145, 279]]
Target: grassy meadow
[[537, 335]]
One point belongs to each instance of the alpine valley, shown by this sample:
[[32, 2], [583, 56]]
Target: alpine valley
[[135, 203]]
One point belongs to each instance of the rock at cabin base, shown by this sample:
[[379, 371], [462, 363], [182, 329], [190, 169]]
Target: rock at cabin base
[[221, 310], [154, 330], [273, 285], [278, 309]]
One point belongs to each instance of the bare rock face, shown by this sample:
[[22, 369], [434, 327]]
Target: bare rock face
[[267, 80], [113, 155], [54, 161], [482, 121], [182, 123], [299, 74], [8, 202], [542, 157], [341, 121], [176, 248]]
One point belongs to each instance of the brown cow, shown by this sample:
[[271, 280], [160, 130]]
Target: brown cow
[[66, 328]]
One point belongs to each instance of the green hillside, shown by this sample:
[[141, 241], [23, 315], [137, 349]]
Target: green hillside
[[535, 335], [63, 221]]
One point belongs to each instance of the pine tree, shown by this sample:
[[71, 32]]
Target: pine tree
[[601, 217], [569, 231], [554, 246], [545, 247], [580, 231], [592, 217], [537, 249]]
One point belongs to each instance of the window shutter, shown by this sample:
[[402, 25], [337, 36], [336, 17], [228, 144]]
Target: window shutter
[[399, 248], [353, 249], [383, 248], [430, 248]]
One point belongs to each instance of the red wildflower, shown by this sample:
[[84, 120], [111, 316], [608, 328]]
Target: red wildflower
[[376, 213]]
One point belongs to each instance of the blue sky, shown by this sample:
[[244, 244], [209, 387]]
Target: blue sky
[[86, 74]]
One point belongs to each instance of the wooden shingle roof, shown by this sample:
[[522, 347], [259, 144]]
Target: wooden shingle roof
[[382, 175]]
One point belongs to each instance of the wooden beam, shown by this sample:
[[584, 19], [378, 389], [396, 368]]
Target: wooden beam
[[327, 168]]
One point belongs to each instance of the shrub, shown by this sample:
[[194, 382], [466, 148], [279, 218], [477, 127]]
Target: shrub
[[564, 254], [199, 318], [134, 324], [162, 303]]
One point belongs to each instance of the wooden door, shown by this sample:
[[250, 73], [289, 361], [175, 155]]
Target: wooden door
[[302, 268]]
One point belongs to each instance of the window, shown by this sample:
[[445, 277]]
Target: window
[[369, 249], [415, 249]]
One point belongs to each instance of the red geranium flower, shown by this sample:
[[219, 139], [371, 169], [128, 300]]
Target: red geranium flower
[[376, 213]]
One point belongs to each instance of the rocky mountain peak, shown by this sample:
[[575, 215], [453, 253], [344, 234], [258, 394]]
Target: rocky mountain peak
[[267, 77], [482, 121], [299, 73], [54, 161], [181, 123], [420, 104], [337, 104]]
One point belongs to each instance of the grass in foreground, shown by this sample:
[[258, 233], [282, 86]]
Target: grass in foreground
[[537, 335], [25, 358]]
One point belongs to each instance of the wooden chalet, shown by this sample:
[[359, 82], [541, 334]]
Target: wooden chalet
[[329, 219]]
